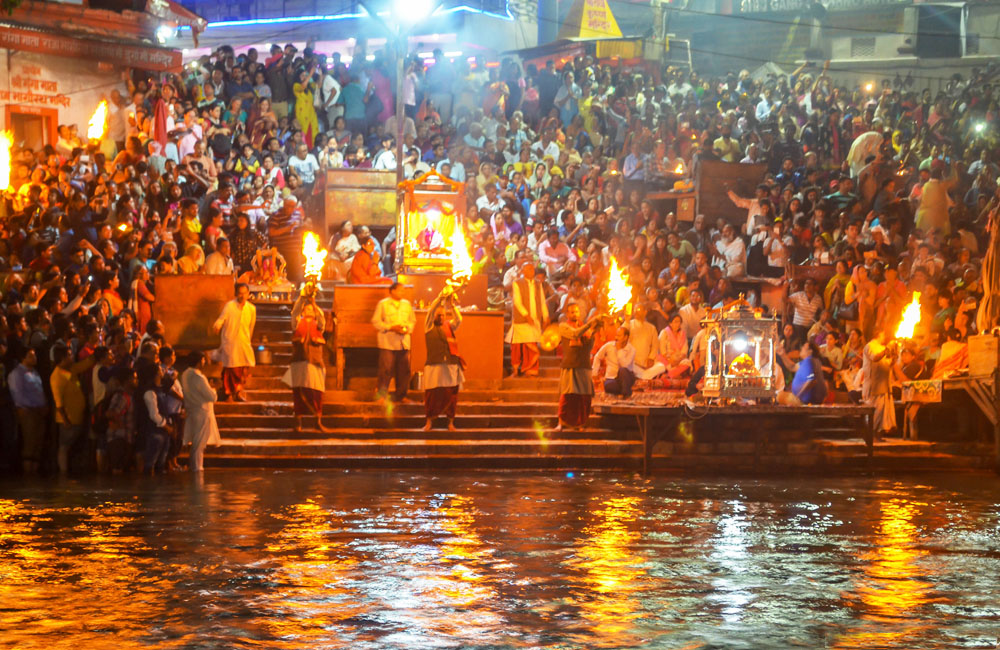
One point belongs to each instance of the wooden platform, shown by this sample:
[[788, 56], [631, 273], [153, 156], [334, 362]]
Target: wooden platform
[[764, 432]]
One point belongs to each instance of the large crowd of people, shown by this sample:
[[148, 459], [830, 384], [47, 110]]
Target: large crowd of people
[[885, 188]]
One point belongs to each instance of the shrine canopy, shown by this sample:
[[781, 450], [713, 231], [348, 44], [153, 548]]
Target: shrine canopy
[[589, 19], [591, 28], [431, 221]]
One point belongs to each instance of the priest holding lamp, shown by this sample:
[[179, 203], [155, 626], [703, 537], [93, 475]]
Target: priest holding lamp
[[576, 388], [444, 368]]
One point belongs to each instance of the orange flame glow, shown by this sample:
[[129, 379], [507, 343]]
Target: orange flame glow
[[6, 142], [315, 256], [461, 262], [98, 122], [619, 291], [679, 169], [911, 317]]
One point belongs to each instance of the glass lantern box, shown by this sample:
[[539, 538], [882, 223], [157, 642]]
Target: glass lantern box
[[740, 361]]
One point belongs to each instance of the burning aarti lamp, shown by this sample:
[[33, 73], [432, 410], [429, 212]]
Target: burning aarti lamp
[[314, 256], [743, 366], [98, 124], [911, 318], [6, 143], [619, 290]]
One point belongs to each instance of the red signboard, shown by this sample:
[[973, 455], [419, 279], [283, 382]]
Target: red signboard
[[135, 56]]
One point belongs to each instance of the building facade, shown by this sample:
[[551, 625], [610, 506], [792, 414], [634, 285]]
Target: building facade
[[59, 60]]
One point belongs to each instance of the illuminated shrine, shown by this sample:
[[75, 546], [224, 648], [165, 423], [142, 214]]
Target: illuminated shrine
[[431, 222], [740, 360]]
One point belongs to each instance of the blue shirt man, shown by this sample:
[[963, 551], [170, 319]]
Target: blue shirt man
[[25, 384]]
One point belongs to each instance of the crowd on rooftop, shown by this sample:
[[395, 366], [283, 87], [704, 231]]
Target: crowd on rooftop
[[889, 186]]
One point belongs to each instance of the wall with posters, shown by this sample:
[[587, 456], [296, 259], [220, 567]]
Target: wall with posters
[[41, 91]]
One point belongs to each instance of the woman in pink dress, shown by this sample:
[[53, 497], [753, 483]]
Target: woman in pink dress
[[142, 298]]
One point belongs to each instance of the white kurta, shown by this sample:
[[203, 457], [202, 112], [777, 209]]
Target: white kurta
[[236, 326], [200, 428], [876, 387], [526, 306]]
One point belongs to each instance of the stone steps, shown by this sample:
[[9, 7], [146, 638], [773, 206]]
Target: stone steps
[[483, 414], [897, 455], [499, 427], [384, 445], [283, 394], [929, 462], [498, 411], [493, 421], [413, 431], [892, 446], [437, 462], [281, 416]]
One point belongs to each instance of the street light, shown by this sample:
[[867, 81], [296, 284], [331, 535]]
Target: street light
[[411, 12], [406, 15]]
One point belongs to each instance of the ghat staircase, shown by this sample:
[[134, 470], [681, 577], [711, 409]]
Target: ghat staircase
[[496, 429], [505, 428]]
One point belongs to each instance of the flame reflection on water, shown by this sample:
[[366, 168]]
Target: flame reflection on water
[[893, 590], [611, 573], [365, 561]]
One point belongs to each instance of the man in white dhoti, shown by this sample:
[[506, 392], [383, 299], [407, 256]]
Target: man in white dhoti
[[530, 314], [443, 370], [235, 355], [876, 388], [200, 427]]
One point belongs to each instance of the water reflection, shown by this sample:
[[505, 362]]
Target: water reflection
[[730, 553], [611, 573], [369, 561], [58, 582], [893, 591], [311, 601], [466, 584]]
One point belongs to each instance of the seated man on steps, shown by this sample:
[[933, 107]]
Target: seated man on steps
[[617, 357], [365, 268], [645, 340]]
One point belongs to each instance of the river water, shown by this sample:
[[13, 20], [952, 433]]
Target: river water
[[494, 560]]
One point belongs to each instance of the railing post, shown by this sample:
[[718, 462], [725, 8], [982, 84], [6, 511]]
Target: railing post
[[996, 406]]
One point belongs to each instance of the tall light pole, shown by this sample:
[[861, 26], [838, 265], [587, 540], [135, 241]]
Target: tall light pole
[[406, 14]]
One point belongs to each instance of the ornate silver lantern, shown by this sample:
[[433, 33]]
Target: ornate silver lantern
[[740, 353]]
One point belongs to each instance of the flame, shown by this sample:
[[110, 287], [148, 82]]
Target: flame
[[98, 121], [6, 142], [619, 291], [911, 317], [314, 255], [461, 263], [679, 169]]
